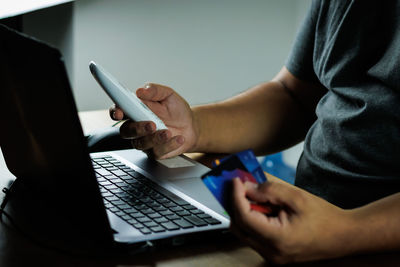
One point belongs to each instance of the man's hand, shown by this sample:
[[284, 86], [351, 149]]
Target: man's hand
[[306, 228], [173, 110]]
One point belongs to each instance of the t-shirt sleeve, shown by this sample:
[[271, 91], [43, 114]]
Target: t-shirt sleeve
[[300, 60]]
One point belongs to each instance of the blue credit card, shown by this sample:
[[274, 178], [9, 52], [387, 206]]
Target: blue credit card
[[248, 160], [220, 185], [243, 165]]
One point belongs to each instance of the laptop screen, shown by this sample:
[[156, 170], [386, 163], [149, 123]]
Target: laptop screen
[[41, 136]]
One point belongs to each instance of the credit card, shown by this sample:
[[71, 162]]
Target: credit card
[[243, 165], [248, 162], [220, 184]]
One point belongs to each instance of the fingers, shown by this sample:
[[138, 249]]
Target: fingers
[[145, 137], [133, 130], [149, 93], [149, 141], [243, 215], [254, 222], [170, 148], [154, 92], [276, 193], [116, 113], [160, 146]]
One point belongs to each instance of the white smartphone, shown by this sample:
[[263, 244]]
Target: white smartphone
[[132, 106]]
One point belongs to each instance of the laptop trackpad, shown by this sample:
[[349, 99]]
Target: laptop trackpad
[[177, 168]]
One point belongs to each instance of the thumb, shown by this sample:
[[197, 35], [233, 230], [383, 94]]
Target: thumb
[[154, 92]]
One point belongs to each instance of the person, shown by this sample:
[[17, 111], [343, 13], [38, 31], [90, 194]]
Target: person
[[340, 92]]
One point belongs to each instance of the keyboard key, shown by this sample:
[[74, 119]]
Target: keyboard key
[[105, 183], [103, 190], [101, 179], [108, 205], [138, 225], [119, 213], [99, 160], [103, 172], [121, 194], [147, 211], [130, 210], [125, 177], [196, 221], [154, 215], [204, 216], [119, 172], [145, 230], [132, 221], [133, 173], [117, 202], [170, 226], [196, 211], [175, 209], [173, 217], [111, 198], [140, 206], [189, 207], [163, 200], [125, 168], [153, 204], [160, 208], [143, 219], [146, 200], [150, 224], [177, 199], [212, 221], [126, 217], [112, 178], [107, 165], [124, 206], [137, 214], [161, 220], [157, 229], [107, 194], [111, 186], [166, 212], [114, 209], [183, 223], [119, 164], [120, 184], [169, 205], [183, 213]]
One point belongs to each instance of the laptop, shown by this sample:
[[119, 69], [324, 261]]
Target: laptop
[[67, 198]]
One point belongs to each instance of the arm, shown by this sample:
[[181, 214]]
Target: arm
[[310, 228], [266, 118]]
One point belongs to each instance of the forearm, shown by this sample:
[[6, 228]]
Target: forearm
[[265, 118], [376, 226]]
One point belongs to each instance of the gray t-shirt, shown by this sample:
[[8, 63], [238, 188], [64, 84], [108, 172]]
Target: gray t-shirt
[[352, 151]]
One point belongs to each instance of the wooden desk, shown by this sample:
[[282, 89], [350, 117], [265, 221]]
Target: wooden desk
[[16, 250]]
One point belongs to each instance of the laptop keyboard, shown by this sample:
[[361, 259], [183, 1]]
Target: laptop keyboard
[[142, 203]]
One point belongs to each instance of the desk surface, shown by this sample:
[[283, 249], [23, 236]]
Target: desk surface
[[16, 250]]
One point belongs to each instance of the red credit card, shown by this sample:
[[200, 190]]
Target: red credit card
[[261, 208]]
